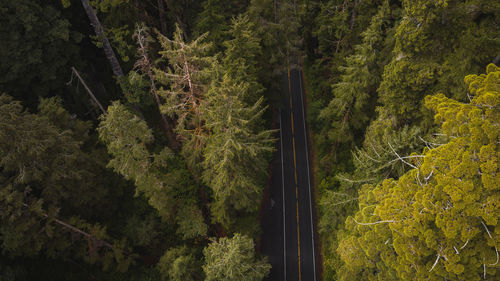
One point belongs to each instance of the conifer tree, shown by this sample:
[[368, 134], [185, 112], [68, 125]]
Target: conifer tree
[[180, 264], [159, 176], [432, 53], [233, 259], [242, 55], [440, 219], [37, 44], [234, 157], [183, 87], [45, 177], [355, 95]]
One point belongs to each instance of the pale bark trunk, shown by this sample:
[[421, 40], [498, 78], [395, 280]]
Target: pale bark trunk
[[110, 54], [88, 90]]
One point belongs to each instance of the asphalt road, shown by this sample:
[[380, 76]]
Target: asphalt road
[[288, 230]]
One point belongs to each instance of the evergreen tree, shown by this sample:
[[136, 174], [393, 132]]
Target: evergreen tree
[[355, 95], [215, 19], [233, 258], [432, 53], [235, 154], [180, 264], [159, 176], [241, 57], [45, 178], [37, 44], [183, 87], [439, 220]]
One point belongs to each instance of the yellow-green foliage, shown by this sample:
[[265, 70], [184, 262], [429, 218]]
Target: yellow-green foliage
[[439, 221]]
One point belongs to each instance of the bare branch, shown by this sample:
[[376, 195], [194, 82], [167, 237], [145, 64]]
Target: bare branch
[[75, 229], [372, 223], [489, 234], [437, 259], [428, 177], [354, 181], [73, 70], [496, 250], [466, 242], [399, 157]]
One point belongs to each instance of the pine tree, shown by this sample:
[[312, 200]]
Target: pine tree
[[183, 87], [432, 53], [45, 178], [233, 259], [355, 95], [37, 44], [180, 264], [235, 153], [215, 19], [242, 55], [160, 176]]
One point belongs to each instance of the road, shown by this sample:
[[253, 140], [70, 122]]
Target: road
[[288, 224]]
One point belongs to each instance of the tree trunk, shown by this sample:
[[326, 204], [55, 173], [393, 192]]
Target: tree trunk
[[110, 54], [163, 22]]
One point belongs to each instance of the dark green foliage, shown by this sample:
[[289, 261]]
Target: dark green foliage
[[188, 135], [355, 95], [37, 44], [45, 177], [159, 176], [215, 19], [437, 43], [66, 205]]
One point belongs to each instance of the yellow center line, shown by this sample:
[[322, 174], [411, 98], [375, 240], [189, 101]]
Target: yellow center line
[[295, 173]]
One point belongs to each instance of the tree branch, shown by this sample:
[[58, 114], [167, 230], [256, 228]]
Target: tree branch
[[437, 259], [92, 96]]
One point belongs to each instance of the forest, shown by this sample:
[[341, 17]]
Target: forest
[[137, 136]]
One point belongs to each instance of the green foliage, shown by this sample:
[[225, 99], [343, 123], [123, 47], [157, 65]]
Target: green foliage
[[437, 44], [439, 220], [241, 57], [45, 175], [180, 264], [183, 87], [354, 96], [37, 45], [215, 19], [159, 176], [234, 156], [374, 162], [233, 258]]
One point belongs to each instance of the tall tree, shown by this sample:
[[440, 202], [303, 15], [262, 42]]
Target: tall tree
[[37, 46], [183, 86], [432, 53], [160, 176], [99, 31], [233, 259], [355, 95], [180, 264], [215, 19], [235, 153], [46, 177], [242, 55], [440, 219]]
